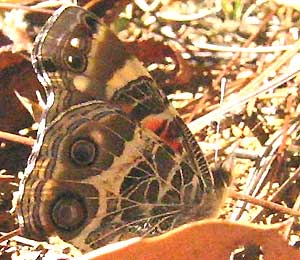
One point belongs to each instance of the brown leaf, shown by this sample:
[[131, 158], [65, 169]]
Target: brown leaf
[[184, 72], [8, 59], [13, 116], [150, 51], [211, 239], [19, 77]]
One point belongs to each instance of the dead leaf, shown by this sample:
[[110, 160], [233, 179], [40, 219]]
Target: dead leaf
[[150, 50], [210, 239], [8, 59], [153, 51], [17, 75]]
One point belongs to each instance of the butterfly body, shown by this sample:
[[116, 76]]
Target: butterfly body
[[113, 158]]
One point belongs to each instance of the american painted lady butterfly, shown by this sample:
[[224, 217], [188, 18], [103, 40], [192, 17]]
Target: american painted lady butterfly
[[112, 159]]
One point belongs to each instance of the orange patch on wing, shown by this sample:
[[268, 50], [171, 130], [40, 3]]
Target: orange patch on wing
[[154, 123], [161, 125], [173, 142]]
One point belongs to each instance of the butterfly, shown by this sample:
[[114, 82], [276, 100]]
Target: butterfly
[[113, 159]]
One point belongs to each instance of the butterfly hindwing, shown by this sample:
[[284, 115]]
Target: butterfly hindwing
[[98, 169]]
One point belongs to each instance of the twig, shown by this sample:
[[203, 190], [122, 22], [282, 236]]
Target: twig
[[9, 235], [275, 197], [7, 178], [16, 138], [24, 240], [263, 203]]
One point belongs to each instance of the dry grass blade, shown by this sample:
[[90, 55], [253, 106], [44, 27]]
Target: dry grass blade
[[257, 179], [16, 138], [227, 106]]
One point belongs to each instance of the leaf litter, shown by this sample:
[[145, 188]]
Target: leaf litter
[[251, 45]]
